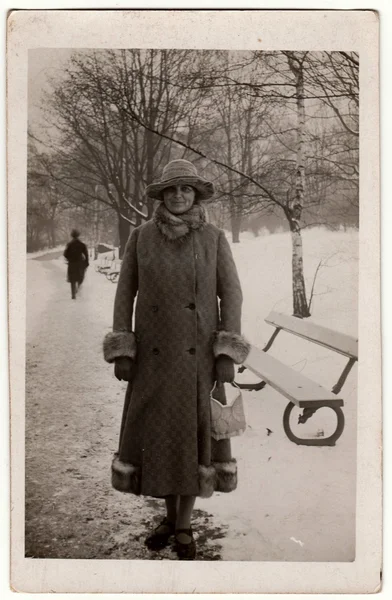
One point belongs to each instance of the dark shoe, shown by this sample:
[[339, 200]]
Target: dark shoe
[[187, 550], [159, 538]]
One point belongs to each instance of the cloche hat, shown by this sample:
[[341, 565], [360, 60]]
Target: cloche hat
[[180, 171]]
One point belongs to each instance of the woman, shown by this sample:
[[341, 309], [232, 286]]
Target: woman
[[178, 265]]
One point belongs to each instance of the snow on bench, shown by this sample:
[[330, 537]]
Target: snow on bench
[[340, 342], [114, 272], [110, 267], [300, 390]]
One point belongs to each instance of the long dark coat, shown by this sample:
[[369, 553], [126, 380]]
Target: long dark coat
[[165, 441], [76, 254]]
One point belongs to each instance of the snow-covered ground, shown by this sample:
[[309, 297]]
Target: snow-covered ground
[[293, 503], [45, 252]]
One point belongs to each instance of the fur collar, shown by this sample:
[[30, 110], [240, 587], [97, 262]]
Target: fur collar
[[177, 227]]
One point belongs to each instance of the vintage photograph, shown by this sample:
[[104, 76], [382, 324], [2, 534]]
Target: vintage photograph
[[194, 301], [183, 208]]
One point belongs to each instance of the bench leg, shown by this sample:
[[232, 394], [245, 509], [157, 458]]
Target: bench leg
[[251, 387], [307, 413], [330, 441]]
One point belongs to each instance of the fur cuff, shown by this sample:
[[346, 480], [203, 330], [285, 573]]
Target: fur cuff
[[119, 343], [125, 477], [226, 475], [232, 344], [207, 481]]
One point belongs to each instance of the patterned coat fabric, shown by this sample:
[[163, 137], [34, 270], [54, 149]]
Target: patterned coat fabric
[[178, 294]]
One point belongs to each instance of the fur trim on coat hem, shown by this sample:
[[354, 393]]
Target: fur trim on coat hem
[[232, 344], [125, 477], [219, 477], [119, 343], [226, 475], [207, 480]]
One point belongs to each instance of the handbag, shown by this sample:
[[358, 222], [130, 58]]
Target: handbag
[[227, 420]]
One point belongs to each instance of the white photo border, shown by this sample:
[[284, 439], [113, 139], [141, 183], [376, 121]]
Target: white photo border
[[211, 29]]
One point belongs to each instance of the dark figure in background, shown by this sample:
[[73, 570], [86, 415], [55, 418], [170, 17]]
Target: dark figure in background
[[76, 254]]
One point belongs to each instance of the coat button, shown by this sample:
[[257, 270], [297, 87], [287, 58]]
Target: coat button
[[192, 350], [191, 306], [155, 308], [155, 351]]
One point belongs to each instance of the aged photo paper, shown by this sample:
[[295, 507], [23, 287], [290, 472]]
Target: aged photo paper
[[253, 138]]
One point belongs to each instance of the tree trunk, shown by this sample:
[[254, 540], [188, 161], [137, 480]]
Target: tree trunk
[[136, 195], [235, 214], [52, 227], [150, 170], [295, 204], [235, 225], [300, 304], [123, 233]]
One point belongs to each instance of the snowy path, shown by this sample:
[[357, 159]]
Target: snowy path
[[73, 410], [292, 503]]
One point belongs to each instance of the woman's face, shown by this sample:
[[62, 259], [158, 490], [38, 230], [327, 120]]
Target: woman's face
[[178, 199]]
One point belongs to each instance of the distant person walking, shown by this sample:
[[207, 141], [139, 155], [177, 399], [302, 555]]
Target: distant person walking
[[76, 254]]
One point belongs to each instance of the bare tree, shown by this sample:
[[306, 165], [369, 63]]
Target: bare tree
[[294, 206], [98, 143], [275, 131], [279, 179], [45, 200], [335, 78]]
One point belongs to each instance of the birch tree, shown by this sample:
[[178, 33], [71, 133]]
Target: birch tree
[[253, 124], [295, 203], [279, 179]]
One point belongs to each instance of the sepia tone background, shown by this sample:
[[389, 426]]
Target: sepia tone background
[[290, 576], [278, 134]]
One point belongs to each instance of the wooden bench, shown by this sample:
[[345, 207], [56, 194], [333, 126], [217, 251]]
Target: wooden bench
[[102, 264], [114, 272], [300, 390], [105, 265]]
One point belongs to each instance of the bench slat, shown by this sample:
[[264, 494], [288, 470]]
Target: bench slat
[[340, 342], [299, 389]]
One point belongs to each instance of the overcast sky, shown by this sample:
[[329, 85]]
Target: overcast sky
[[43, 63]]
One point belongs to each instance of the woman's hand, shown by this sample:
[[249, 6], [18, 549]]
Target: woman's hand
[[224, 369], [124, 368]]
